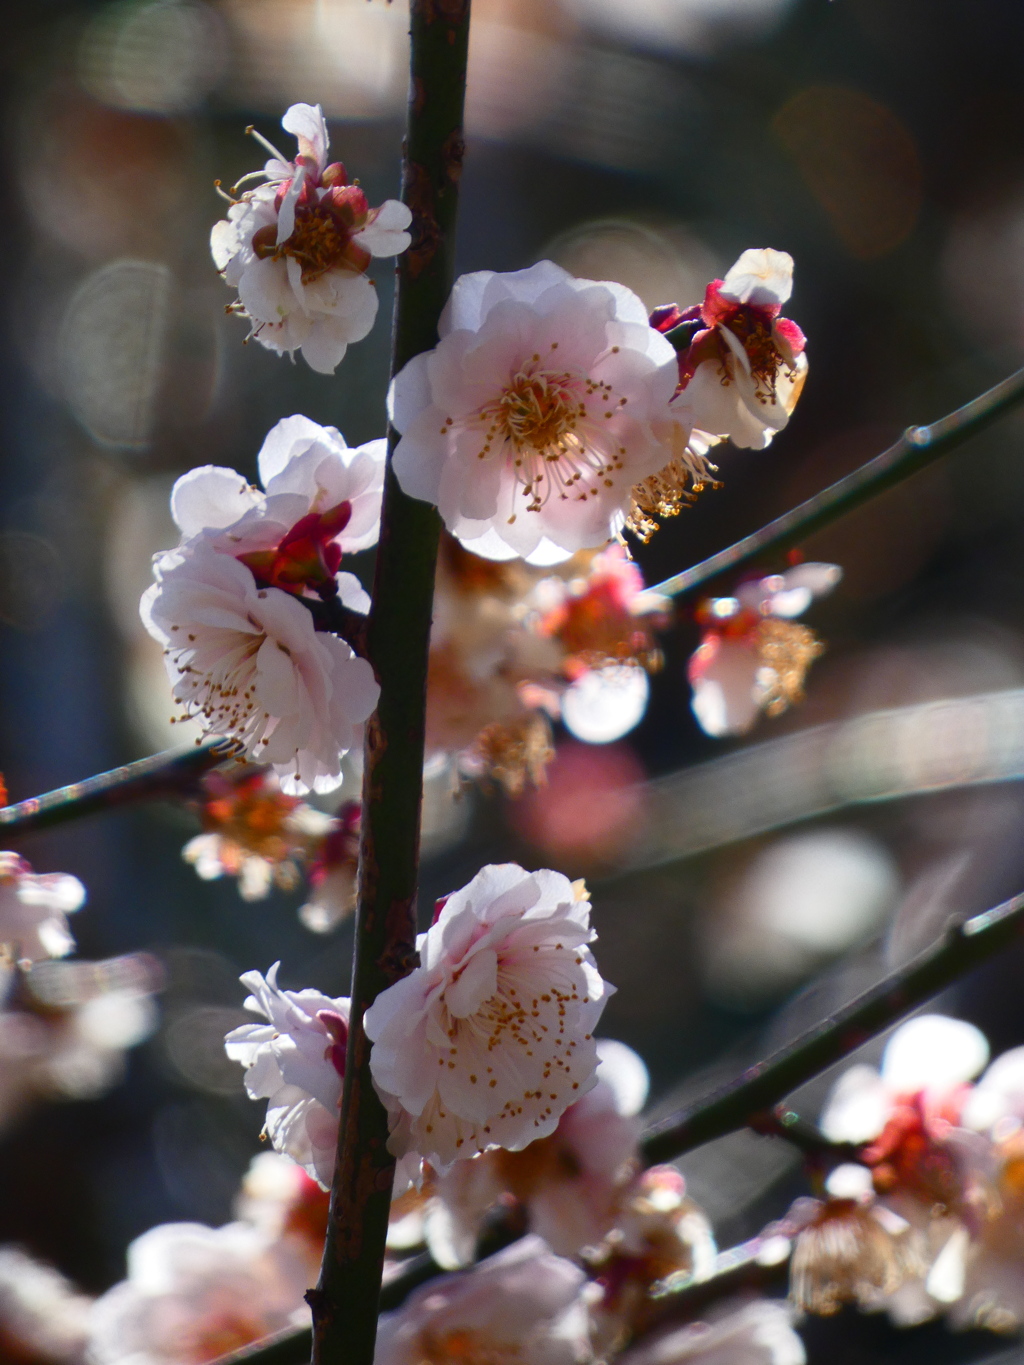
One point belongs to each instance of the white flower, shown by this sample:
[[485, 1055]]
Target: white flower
[[248, 663], [296, 1062], [490, 1040], [34, 910], [758, 1333], [531, 420], [297, 248], [523, 1304], [743, 372], [42, 1317], [306, 470], [570, 1183], [752, 657], [931, 1056], [194, 1293]]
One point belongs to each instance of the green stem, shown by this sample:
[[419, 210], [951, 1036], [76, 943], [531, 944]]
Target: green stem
[[173, 773], [917, 447], [739, 1102], [345, 1302]]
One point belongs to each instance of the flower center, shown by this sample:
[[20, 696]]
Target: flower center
[[466, 1346], [548, 423], [220, 684], [319, 242]]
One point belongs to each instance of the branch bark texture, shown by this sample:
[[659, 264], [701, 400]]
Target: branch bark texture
[[345, 1302]]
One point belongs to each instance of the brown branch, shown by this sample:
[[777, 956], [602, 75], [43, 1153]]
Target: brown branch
[[345, 1302], [175, 773]]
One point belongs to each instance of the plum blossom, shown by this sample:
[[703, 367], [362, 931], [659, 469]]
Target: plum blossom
[[570, 1184], [194, 1293], [515, 646], [34, 910], [756, 1333], [287, 1206], [490, 1039], [254, 831], [544, 402], [743, 371], [248, 663], [660, 1235], [523, 1304], [322, 500], [43, 1318], [752, 656], [295, 1061], [297, 247]]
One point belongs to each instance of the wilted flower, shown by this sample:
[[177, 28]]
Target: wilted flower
[[255, 832], [490, 1039], [43, 1318], [752, 656], [544, 402], [295, 1061], [570, 1184], [523, 1304], [334, 874], [34, 910], [248, 663], [757, 1333], [659, 1235], [297, 248], [322, 500], [194, 1293]]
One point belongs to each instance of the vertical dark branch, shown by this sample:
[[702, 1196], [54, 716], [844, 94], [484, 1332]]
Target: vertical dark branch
[[346, 1299]]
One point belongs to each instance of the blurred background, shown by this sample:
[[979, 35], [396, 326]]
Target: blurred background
[[741, 888]]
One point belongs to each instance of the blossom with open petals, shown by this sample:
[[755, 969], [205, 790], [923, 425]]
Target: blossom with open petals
[[536, 413], [490, 1039], [752, 656], [34, 910], [297, 248], [248, 663], [295, 1061], [194, 1293], [254, 831], [744, 368], [523, 1304], [322, 500], [570, 1184]]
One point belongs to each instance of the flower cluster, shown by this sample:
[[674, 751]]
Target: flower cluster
[[34, 910], [254, 831], [513, 647], [297, 248], [553, 414], [929, 1220], [229, 603], [753, 657]]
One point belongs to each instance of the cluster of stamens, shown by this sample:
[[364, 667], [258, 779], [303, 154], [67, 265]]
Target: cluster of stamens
[[226, 698], [546, 422]]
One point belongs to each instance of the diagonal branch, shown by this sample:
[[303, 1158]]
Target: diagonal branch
[[740, 1102], [916, 448], [175, 773]]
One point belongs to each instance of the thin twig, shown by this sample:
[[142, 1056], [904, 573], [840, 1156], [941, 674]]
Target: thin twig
[[345, 1301], [917, 447], [172, 773], [733, 1105]]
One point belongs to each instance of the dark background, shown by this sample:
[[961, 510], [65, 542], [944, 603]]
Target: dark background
[[879, 141]]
